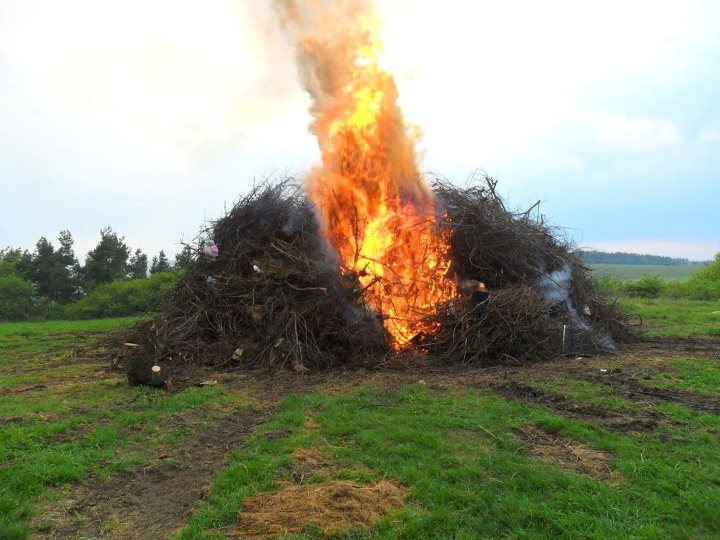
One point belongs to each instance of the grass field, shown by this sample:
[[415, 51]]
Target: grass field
[[631, 272], [669, 317], [623, 446]]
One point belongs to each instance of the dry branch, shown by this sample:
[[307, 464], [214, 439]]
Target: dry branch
[[277, 293]]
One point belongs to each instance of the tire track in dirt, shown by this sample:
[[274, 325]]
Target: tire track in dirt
[[157, 500], [630, 387], [623, 420]]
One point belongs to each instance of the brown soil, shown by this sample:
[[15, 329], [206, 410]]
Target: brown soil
[[334, 507], [705, 344], [624, 373], [644, 419], [627, 384], [569, 454], [155, 501]]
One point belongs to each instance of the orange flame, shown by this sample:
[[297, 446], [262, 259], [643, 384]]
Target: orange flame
[[375, 208]]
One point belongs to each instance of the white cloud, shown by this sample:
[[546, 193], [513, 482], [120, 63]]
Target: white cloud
[[627, 133], [709, 136], [149, 115], [135, 89]]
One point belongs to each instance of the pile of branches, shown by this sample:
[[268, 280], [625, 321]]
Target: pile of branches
[[272, 295], [543, 299], [275, 295]]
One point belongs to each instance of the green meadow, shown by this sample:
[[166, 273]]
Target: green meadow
[[455, 443]]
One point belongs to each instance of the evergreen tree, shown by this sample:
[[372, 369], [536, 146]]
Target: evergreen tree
[[55, 274], [138, 267], [185, 258], [160, 264], [44, 268], [107, 261], [68, 269]]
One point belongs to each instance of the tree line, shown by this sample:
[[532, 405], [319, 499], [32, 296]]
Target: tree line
[[53, 274], [618, 257]]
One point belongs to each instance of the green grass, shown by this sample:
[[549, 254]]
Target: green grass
[[31, 337], [694, 375], [457, 453], [470, 477], [594, 394], [75, 424], [43, 328], [631, 272], [676, 318]]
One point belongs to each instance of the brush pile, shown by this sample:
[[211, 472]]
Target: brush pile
[[543, 301], [275, 295]]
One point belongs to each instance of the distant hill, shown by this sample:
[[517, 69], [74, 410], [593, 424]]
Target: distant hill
[[618, 257]]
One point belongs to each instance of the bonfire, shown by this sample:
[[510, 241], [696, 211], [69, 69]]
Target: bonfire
[[367, 260]]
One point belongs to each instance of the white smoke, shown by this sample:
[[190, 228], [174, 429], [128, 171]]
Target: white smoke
[[556, 285], [556, 288]]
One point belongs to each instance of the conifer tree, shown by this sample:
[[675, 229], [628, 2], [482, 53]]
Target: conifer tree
[[138, 267], [160, 264], [185, 258], [107, 261]]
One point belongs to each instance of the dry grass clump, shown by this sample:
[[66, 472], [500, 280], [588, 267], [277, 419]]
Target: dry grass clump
[[310, 462], [333, 507], [569, 454]]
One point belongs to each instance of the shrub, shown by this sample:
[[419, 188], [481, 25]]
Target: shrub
[[646, 287], [121, 298], [711, 272], [17, 299], [611, 286], [705, 284], [675, 289], [701, 289]]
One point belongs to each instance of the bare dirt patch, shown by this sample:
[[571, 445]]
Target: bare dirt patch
[[705, 344], [644, 419], [569, 454], [629, 385], [625, 374], [333, 507], [154, 501]]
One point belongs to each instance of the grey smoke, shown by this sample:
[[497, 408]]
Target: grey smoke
[[556, 288], [556, 285]]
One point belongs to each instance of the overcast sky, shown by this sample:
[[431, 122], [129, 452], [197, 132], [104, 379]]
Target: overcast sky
[[151, 116]]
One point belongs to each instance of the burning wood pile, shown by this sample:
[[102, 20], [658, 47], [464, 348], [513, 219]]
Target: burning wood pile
[[275, 293], [542, 300], [368, 261]]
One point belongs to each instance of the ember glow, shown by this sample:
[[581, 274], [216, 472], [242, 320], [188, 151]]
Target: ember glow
[[375, 208]]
